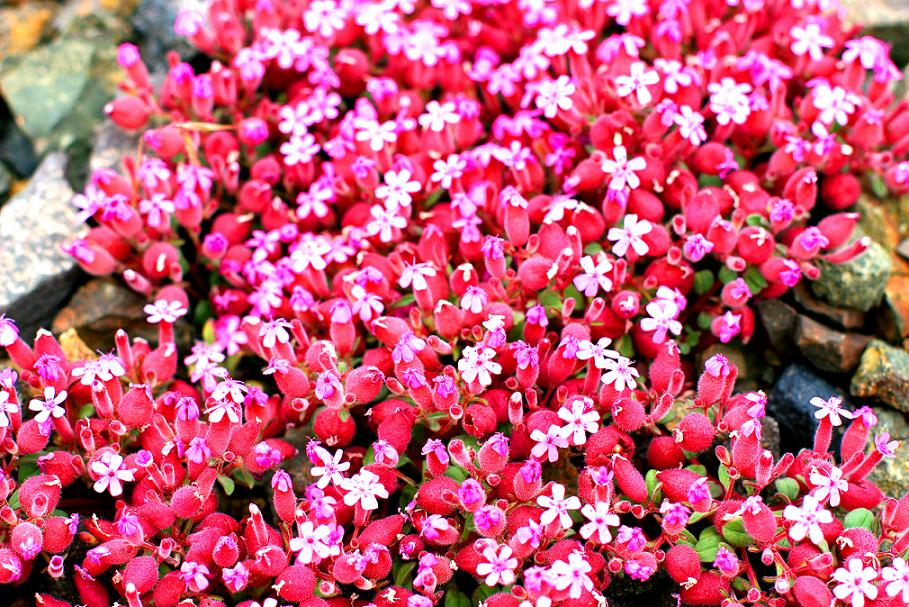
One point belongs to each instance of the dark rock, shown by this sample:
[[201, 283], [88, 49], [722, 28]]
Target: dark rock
[[883, 374], [859, 283], [101, 306], [789, 403], [154, 22], [828, 349], [34, 225], [892, 474], [779, 320], [770, 435], [843, 317], [17, 151], [6, 181]]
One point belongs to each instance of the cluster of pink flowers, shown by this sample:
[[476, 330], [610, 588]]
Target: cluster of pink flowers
[[466, 247]]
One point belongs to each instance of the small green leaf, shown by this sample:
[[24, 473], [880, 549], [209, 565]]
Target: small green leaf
[[788, 487], [456, 598], [651, 481], [735, 534], [227, 483], [403, 573], [757, 220], [727, 275], [707, 545], [755, 280], [703, 280], [860, 517], [704, 320], [697, 516], [457, 473], [723, 474], [593, 248], [483, 592]]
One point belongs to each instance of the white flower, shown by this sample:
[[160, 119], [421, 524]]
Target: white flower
[[363, 488], [663, 314], [601, 519], [477, 364], [548, 444], [7, 409], [729, 101], [620, 373], [691, 125], [637, 82], [580, 420], [436, 115], [50, 406], [630, 236], [623, 170], [384, 222], [573, 575], [310, 543], [397, 190], [897, 578], [807, 520], [164, 311], [830, 409], [416, 275], [218, 408], [376, 134], [498, 565], [331, 469], [111, 471], [599, 352], [811, 40], [595, 275], [835, 103], [855, 583], [555, 95], [557, 506], [828, 485]]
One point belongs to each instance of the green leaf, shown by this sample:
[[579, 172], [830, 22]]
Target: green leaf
[[456, 598], [788, 487], [735, 534], [549, 299], [202, 312], [707, 545], [703, 280], [757, 220], [704, 320], [860, 517], [483, 592], [227, 483], [403, 573], [593, 248], [651, 481], [727, 275], [697, 516], [13, 500], [244, 477], [723, 474], [457, 473], [755, 280]]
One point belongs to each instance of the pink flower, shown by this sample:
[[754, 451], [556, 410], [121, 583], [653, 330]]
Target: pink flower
[[557, 507], [362, 489], [497, 566], [629, 236], [50, 406], [807, 520], [830, 409], [854, 583], [594, 276], [601, 519], [623, 171], [112, 472]]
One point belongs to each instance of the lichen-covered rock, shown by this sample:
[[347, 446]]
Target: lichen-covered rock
[[883, 374], [34, 224], [859, 283], [892, 474]]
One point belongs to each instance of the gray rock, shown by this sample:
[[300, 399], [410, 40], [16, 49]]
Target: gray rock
[[43, 85], [34, 224], [859, 283], [892, 474], [154, 21], [883, 374], [842, 317], [903, 248], [789, 403], [111, 143]]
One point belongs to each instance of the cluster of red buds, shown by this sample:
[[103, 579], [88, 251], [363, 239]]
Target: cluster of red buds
[[467, 248], [501, 483]]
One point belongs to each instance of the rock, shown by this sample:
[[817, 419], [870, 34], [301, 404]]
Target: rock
[[34, 225], [883, 374], [6, 181], [779, 320], [828, 349], [742, 357], [843, 317], [892, 474], [154, 21], [858, 284], [16, 150], [903, 248], [770, 435], [103, 305], [111, 143], [789, 403], [23, 25], [893, 323], [43, 85]]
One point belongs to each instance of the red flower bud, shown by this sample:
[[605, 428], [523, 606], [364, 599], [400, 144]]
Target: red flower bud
[[694, 433], [129, 113], [629, 480], [438, 496], [809, 591], [336, 427], [682, 563], [142, 572]]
